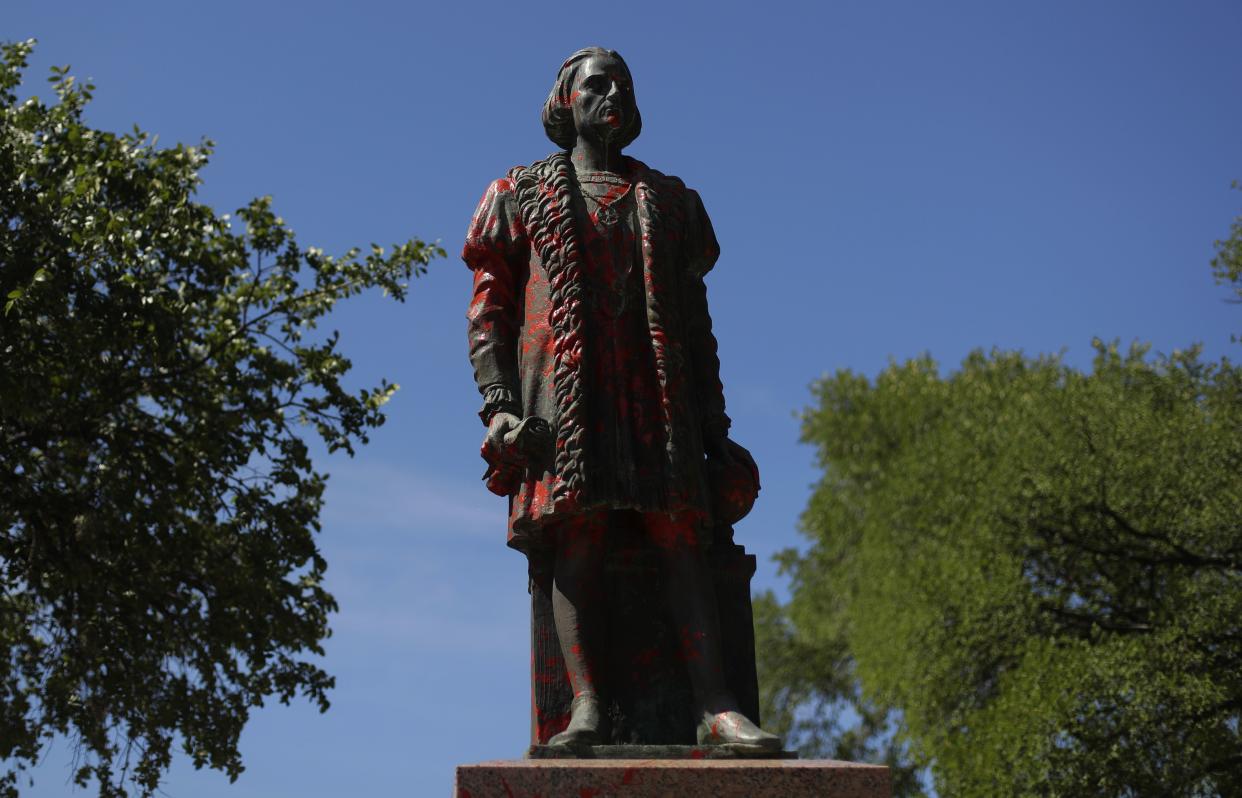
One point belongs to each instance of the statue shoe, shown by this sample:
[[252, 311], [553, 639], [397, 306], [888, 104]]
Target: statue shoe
[[586, 723], [733, 728]]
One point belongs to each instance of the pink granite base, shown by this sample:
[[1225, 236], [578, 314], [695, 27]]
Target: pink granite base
[[659, 778]]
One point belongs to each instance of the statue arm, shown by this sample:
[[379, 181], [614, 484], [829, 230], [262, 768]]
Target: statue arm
[[705, 363], [701, 255], [493, 251], [702, 250], [493, 341]]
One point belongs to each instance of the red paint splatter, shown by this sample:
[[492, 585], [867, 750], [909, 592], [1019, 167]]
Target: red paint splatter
[[672, 530], [547, 727], [647, 656]]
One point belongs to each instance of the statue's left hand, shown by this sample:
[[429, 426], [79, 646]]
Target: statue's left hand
[[741, 454], [728, 450]]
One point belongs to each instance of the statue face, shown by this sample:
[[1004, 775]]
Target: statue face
[[603, 99]]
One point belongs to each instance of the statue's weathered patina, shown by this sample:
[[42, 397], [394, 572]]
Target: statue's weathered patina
[[593, 349]]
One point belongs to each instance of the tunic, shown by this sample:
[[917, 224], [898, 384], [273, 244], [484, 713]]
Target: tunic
[[644, 356]]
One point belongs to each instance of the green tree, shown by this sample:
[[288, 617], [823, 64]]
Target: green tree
[[159, 578], [809, 693], [1227, 265], [1033, 573]]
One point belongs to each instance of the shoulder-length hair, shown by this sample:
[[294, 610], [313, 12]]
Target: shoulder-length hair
[[558, 117]]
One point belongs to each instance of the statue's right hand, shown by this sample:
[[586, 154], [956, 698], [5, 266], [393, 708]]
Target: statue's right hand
[[500, 425], [502, 473]]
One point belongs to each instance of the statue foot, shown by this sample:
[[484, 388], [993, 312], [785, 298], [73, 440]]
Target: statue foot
[[586, 723], [733, 728]]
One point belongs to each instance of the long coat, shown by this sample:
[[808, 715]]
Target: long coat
[[530, 338]]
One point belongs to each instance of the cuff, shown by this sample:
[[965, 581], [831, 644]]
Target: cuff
[[498, 399]]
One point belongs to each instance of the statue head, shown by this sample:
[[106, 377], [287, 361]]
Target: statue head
[[607, 92]]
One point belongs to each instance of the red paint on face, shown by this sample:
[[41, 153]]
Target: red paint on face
[[602, 92]]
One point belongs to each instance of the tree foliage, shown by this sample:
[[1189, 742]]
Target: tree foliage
[[158, 573], [810, 695], [1227, 265], [1033, 575], [1040, 568]]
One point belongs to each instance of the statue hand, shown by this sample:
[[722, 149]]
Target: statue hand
[[502, 472], [726, 450], [740, 454], [500, 425]]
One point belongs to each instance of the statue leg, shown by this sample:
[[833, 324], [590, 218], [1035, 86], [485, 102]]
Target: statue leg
[[578, 612], [692, 602]]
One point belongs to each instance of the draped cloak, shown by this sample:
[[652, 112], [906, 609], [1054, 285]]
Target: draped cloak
[[596, 320]]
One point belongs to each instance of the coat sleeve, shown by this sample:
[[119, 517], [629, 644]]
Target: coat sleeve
[[496, 252], [701, 253]]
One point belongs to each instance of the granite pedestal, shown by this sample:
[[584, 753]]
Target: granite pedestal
[[659, 778]]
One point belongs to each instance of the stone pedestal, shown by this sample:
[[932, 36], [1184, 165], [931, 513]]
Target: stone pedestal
[[646, 778]]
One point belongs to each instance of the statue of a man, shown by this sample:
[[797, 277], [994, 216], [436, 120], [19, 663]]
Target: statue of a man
[[589, 324]]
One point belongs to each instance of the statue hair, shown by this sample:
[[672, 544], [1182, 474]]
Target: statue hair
[[558, 117]]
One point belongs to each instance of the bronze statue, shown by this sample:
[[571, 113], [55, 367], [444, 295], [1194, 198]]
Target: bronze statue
[[593, 349]]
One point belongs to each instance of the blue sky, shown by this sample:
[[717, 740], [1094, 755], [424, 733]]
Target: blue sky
[[885, 179]]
